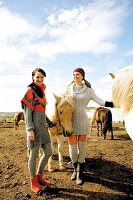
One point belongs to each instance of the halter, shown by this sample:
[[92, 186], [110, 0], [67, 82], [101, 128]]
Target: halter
[[60, 129], [58, 123]]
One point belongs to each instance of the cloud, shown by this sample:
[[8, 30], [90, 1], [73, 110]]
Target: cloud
[[13, 25], [129, 53], [89, 28]]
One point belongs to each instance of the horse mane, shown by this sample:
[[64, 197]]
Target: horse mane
[[122, 90], [68, 99], [64, 99]]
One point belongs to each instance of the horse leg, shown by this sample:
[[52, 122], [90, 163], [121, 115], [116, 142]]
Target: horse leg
[[28, 152], [15, 127], [111, 130], [50, 164], [112, 136], [97, 129], [104, 135], [104, 131], [60, 151], [101, 128]]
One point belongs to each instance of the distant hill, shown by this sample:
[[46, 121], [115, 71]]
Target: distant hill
[[10, 114]]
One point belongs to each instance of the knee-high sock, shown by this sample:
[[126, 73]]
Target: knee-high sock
[[73, 152], [81, 148]]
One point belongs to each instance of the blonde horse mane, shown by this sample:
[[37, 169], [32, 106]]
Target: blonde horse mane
[[60, 103], [68, 99], [122, 90]]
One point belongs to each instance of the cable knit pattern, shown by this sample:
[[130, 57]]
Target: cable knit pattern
[[82, 95]]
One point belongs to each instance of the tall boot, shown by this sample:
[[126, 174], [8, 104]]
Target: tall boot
[[79, 177], [73, 177], [42, 181], [35, 186]]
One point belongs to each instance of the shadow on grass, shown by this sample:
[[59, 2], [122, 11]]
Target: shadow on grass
[[109, 174], [78, 194]]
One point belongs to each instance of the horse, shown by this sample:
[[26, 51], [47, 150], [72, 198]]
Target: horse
[[17, 117], [122, 93], [62, 117], [103, 118]]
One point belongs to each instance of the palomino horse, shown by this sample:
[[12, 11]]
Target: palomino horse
[[122, 93], [17, 117], [62, 117], [103, 118]]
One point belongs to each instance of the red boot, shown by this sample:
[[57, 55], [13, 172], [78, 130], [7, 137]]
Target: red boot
[[42, 181], [35, 186]]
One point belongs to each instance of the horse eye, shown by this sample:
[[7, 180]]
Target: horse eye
[[60, 112]]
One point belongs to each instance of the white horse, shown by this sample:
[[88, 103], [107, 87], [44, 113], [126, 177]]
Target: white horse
[[122, 93], [62, 117]]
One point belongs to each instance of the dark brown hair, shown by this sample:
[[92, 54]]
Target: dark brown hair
[[38, 70]]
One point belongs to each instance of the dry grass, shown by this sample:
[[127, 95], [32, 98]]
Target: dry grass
[[109, 168]]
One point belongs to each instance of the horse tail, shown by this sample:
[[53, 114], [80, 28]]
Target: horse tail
[[107, 126]]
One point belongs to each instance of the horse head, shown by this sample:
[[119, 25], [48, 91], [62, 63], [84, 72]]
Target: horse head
[[64, 106]]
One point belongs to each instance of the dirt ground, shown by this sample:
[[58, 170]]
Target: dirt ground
[[108, 172]]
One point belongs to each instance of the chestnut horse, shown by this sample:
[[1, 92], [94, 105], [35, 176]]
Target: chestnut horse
[[122, 93], [17, 117], [62, 117], [103, 118]]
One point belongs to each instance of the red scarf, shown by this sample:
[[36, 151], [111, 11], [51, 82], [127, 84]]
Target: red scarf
[[32, 99]]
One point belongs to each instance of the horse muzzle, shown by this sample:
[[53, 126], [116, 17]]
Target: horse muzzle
[[67, 133]]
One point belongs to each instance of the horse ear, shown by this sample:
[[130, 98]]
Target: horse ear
[[112, 75], [57, 97]]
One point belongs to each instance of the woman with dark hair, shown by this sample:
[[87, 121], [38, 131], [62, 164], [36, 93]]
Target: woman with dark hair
[[34, 105], [82, 93]]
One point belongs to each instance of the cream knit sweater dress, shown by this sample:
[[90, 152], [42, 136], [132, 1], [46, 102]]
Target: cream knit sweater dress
[[82, 95]]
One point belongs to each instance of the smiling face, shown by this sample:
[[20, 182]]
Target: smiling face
[[38, 78], [77, 76]]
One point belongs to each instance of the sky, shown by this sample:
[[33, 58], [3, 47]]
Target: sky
[[58, 36]]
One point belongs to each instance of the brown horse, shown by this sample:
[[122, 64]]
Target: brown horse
[[103, 118], [17, 117]]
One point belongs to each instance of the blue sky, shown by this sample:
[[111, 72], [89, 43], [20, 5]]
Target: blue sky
[[58, 36]]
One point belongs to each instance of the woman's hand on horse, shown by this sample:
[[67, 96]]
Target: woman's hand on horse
[[30, 135]]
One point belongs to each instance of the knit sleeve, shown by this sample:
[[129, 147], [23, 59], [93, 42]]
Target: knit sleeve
[[28, 118], [97, 99]]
